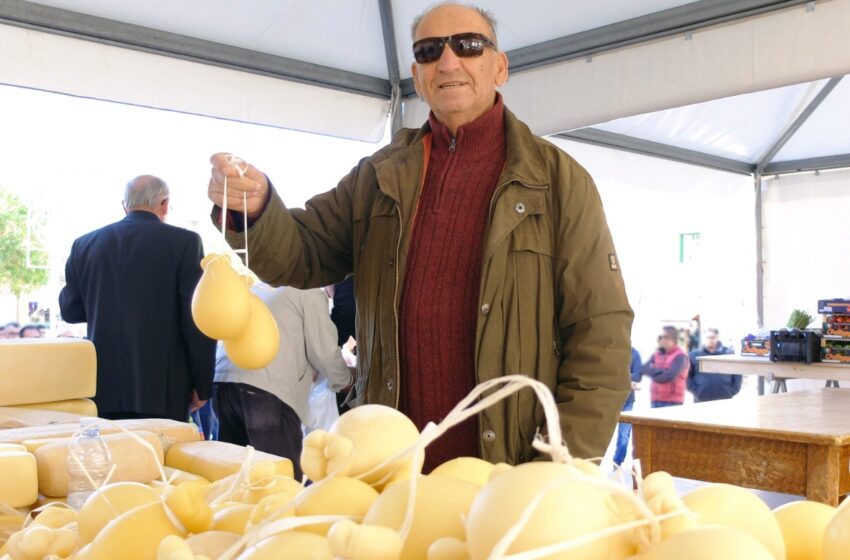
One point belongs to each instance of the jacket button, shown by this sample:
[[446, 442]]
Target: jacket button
[[519, 207], [489, 436], [485, 309], [390, 385], [392, 262]]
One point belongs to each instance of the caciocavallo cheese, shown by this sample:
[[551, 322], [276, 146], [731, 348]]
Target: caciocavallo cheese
[[83, 407]]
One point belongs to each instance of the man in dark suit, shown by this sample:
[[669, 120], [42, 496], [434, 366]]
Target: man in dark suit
[[132, 282]]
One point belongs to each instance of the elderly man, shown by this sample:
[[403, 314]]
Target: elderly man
[[478, 250], [132, 283]]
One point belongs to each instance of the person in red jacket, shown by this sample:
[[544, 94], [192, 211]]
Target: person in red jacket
[[668, 369]]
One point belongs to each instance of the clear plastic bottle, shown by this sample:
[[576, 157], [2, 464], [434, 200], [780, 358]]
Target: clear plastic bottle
[[94, 458]]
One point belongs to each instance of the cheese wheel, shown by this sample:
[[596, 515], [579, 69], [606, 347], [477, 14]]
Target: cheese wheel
[[12, 417], [133, 462], [19, 482], [168, 431], [83, 407], [43, 370], [215, 460]]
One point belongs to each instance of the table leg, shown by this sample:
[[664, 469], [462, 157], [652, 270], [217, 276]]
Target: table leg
[[642, 447], [823, 473]]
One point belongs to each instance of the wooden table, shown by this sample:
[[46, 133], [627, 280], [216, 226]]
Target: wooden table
[[795, 443], [775, 372]]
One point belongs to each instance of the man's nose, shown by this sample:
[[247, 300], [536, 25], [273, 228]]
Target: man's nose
[[448, 60]]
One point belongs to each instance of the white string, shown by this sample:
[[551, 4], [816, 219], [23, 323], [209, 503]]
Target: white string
[[235, 161]]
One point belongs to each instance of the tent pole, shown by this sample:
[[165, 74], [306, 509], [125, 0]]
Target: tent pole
[[758, 183]]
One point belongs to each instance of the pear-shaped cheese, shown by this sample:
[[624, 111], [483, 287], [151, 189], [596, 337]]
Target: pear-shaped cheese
[[221, 305], [259, 342]]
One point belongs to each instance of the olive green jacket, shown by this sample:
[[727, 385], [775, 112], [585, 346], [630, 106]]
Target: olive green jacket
[[552, 304]]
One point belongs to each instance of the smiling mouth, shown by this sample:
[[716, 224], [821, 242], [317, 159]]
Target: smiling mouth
[[450, 85]]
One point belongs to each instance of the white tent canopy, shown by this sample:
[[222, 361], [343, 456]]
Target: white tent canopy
[[751, 87]]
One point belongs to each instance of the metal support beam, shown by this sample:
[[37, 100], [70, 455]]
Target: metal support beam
[[109, 32], [656, 149], [759, 188], [674, 21], [388, 28], [809, 164], [798, 122]]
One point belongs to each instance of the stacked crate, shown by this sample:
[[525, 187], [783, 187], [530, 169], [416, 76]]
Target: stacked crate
[[835, 340]]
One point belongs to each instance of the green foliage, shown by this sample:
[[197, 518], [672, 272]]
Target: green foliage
[[799, 319], [15, 275]]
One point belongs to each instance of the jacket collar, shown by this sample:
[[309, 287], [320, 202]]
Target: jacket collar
[[144, 215], [524, 161]]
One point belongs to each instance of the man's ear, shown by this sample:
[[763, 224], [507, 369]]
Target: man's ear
[[502, 68], [414, 70]]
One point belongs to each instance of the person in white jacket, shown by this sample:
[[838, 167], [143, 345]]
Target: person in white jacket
[[266, 407]]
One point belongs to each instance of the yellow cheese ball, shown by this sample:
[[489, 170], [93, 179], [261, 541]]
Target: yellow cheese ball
[[836, 537], [232, 517], [471, 469], [708, 543], [258, 343], [335, 496], [358, 441], [803, 524], [107, 503], [292, 545], [220, 305], [135, 533], [571, 507], [442, 503], [733, 506]]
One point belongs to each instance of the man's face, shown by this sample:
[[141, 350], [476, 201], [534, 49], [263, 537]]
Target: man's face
[[710, 341], [458, 90]]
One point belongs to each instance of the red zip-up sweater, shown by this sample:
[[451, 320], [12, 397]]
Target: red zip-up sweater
[[439, 302]]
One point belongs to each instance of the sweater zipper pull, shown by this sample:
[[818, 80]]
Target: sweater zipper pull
[[453, 144]]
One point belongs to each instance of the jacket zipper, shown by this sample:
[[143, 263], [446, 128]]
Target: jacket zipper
[[395, 312], [453, 144]]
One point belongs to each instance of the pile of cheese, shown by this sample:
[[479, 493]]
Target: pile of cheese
[[220, 501]]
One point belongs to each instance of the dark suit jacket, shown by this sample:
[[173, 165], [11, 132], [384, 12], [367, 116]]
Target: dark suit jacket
[[132, 282]]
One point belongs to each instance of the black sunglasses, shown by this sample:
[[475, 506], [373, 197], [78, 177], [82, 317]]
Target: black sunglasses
[[464, 45]]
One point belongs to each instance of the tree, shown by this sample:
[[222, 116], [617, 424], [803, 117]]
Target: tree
[[16, 274]]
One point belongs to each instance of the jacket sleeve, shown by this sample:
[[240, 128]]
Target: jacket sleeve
[[70, 298], [320, 341], [303, 248], [594, 317], [201, 349]]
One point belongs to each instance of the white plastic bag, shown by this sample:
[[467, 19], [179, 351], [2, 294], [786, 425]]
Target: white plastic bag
[[323, 411]]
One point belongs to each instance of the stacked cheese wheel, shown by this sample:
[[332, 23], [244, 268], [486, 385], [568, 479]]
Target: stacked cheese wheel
[[224, 308], [364, 503]]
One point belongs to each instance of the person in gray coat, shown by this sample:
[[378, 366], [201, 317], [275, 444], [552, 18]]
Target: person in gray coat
[[266, 407]]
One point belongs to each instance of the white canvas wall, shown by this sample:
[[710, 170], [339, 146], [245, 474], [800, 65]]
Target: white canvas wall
[[806, 237], [649, 202]]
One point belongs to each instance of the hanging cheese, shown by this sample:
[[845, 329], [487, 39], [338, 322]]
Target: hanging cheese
[[83, 407], [220, 303], [14, 417], [107, 503], [133, 462], [19, 481], [43, 370], [215, 460], [168, 431], [259, 342]]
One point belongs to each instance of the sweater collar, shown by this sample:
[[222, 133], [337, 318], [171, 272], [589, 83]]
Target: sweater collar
[[484, 134]]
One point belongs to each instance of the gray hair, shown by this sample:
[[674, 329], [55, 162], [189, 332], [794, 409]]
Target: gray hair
[[485, 14], [145, 191]]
